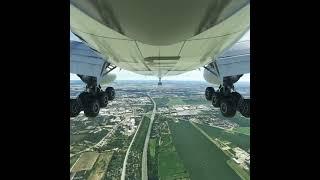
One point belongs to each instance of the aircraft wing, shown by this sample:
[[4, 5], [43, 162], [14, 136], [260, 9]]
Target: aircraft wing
[[86, 61], [234, 61]]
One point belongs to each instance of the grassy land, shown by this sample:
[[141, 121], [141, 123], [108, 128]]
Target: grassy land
[[76, 138], [85, 162], [161, 102], [202, 158], [152, 147], [77, 148], [73, 160], [237, 139], [101, 165], [175, 101], [241, 172], [169, 164], [238, 118], [141, 135], [152, 158], [243, 130], [135, 156], [115, 166], [196, 101]]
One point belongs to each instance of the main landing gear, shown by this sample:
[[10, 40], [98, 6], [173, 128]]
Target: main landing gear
[[228, 100], [92, 99]]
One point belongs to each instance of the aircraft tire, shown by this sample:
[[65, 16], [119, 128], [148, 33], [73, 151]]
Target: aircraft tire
[[228, 107], [103, 99], [92, 107], [209, 92], [236, 98], [216, 97], [244, 107], [110, 93], [82, 99], [74, 108]]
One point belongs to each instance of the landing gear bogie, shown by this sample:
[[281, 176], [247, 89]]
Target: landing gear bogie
[[91, 101], [228, 101]]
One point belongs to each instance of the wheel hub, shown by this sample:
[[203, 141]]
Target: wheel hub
[[224, 107], [245, 108], [95, 108], [214, 99]]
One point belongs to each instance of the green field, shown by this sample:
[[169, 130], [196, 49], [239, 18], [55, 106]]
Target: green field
[[237, 139], [199, 101], [114, 167], [243, 130], [202, 158], [153, 159], [73, 159], [175, 101], [76, 138], [138, 143], [169, 164], [101, 165], [152, 147], [135, 155], [85, 162]]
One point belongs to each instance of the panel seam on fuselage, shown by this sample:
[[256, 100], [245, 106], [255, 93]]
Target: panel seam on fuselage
[[142, 56]]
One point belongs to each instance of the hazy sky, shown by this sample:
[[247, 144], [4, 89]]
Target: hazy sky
[[195, 75]]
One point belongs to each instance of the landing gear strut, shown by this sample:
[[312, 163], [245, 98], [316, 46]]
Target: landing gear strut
[[228, 100], [92, 99], [159, 83]]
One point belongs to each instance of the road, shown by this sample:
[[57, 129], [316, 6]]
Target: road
[[102, 141], [72, 174], [123, 174], [144, 169]]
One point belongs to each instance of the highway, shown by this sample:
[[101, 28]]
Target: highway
[[144, 168]]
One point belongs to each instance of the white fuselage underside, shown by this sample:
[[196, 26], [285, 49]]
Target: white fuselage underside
[[132, 55]]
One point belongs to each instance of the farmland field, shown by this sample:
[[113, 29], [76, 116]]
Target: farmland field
[[244, 130], [85, 162], [152, 147], [202, 158], [237, 139], [196, 101], [170, 165], [175, 101], [76, 138], [133, 168], [101, 165], [74, 159]]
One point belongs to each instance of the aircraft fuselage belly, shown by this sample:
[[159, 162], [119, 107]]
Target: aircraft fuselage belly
[[159, 38]]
